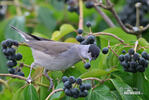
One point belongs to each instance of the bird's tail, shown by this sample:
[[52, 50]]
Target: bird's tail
[[23, 34]]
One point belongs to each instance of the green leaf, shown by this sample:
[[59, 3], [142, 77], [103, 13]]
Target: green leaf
[[118, 32], [27, 54], [19, 22], [122, 87], [18, 95], [100, 93], [97, 72], [30, 93], [64, 30], [58, 95], [45, 17]]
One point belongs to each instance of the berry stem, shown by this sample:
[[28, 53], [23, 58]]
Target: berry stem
[[80, 14], [135, 48], [54, 91], [112, 49]]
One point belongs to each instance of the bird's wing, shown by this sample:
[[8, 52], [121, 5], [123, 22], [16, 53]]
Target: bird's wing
[[50, 47]]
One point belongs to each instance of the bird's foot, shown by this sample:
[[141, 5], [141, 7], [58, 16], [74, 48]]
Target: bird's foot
[[29, 79]]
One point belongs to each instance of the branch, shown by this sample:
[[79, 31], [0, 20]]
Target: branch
[[109, 6], [14, 76], [104, 16], [57, 90], [81, 14], [23, 78], [116, 37]]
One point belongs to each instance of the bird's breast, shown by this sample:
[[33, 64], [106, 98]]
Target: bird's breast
[[59, 62]]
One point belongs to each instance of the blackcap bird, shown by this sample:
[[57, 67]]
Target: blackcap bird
[[54, 55]]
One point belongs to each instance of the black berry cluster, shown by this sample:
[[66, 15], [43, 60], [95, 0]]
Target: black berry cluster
[[10, 52], [128, 14], [69, 90], [73, 6], [85, 41], [134, 62]]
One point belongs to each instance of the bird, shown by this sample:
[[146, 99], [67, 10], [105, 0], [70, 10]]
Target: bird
[[55, 55]]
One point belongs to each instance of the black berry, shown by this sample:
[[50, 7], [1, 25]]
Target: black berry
[[87, 86], [79, 81], [68, 92], [4, 44], [72, 79], [144, 55], [11, 51], [11, 70], [79, 38], [80, 31], [87, 65], [88, 24], [89, 4], [121, 58], [105, 50], [131, 51], [11, 63], [67, 84], [18, 56], [64, 79], [91, 39], [82, 87], [123, 51]]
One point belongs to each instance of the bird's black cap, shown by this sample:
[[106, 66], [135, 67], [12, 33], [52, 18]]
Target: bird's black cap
[[94, 51]]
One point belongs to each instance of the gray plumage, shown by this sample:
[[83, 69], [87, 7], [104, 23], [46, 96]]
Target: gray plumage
[[55, 55]]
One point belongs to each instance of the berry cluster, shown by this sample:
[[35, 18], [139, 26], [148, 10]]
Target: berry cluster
[[73, 5], [82, 91], [10, 52], [85, 41], [134, 62], [128, 14]]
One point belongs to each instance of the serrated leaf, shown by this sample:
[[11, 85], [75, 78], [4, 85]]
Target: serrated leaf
[[97, 73], [30, 93], [64, 30], [100, 93]]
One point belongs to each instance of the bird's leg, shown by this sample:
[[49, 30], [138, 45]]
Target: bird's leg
[[50, 79], [29, 79]]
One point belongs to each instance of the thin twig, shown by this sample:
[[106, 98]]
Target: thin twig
[[57, 90], [109, 34], [136, 44], [112, 49], [14, 76], [81, 14]]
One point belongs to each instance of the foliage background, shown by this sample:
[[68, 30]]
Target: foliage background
[[50, 19]]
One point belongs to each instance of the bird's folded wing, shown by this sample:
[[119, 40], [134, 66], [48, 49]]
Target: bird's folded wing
[[50, 47]]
